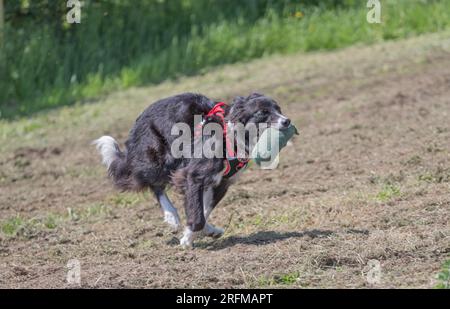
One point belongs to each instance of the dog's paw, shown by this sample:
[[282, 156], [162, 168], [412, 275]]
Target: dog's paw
[[172, 220], [186, 242], [212, 231]]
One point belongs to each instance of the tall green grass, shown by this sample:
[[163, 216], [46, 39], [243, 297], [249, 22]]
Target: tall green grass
[[95, 59]]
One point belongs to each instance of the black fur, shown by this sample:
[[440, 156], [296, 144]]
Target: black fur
[[147, 162]]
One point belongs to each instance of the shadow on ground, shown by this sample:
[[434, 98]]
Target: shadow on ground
[[261, 238]]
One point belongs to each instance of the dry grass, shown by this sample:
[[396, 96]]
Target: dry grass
[[367, 179]]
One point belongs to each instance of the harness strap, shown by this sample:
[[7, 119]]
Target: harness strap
[[232, 163]]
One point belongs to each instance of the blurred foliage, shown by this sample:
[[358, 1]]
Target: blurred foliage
[[444, 276], [46, 62]]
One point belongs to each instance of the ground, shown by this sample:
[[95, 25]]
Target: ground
[[367, 179]]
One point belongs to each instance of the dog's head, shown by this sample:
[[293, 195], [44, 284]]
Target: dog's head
[[258, 109], [255, 114]]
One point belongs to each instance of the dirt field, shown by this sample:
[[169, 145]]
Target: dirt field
[[367, 179]]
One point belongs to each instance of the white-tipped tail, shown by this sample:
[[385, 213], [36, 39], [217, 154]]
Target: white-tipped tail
[[108, 148]]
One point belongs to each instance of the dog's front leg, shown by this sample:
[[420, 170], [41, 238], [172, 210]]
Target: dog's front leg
[[211, 198], [200, 196], [194, 212]]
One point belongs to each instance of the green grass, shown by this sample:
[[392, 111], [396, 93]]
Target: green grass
[[51, 222], [444, 276], [90, 212], [125, 200], [11, 227], [216, 42], [19, 226], [287, 279], [388, 192], [440, 175]]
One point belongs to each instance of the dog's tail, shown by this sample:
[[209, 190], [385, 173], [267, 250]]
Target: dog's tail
[[114, 160], [108, 149]]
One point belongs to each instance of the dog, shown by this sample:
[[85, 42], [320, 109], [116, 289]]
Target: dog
[[149, 164]]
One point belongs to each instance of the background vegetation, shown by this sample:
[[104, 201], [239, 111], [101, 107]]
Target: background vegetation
[[46, 62]]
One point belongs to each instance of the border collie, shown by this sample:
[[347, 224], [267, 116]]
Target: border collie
[[148, 162]]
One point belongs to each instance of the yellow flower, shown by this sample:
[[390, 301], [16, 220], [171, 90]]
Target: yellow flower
[[299, 14]]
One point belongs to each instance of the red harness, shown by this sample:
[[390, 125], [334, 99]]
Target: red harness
[[233, 164]]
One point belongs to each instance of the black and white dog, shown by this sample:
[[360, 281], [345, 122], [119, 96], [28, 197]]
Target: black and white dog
[[148, 162]]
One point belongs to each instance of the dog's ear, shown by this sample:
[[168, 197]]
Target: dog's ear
[[242, 100], [254, 95], [239, 100], [238, 111]]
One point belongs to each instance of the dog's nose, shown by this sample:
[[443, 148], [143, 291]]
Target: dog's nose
[[286, 122]]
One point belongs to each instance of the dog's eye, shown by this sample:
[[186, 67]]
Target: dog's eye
[[264, 112]]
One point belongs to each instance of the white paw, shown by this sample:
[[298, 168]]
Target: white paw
[[186, 243], [172, 220], [188, 239], [212, 231]]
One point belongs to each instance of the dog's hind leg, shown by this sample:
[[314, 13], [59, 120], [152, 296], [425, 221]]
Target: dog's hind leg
[[170, 212]]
